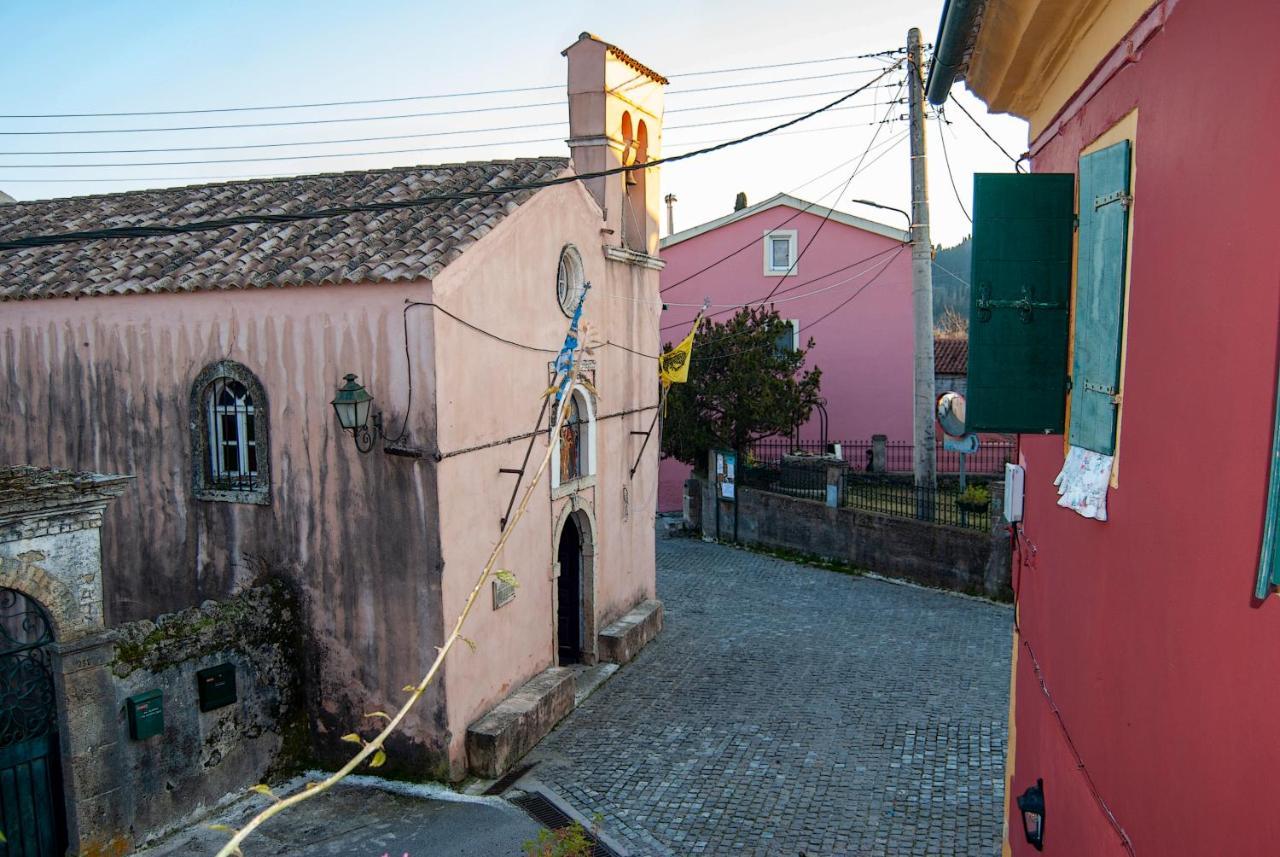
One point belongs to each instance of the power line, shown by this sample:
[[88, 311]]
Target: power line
[[754, 242], [234, 176], [407, 98], [374, 152], [203, 226], [946, 158], [827, 215], [1017, 163], [386, 117], [868, 284]]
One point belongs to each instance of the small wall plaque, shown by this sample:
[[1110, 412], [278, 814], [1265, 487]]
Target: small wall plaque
[[216, 686], [146, 714], [503, 593]]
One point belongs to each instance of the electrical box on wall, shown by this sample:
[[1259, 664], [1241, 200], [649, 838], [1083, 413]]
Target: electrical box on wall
[[216, 686], [1013, 486], [146, 714]]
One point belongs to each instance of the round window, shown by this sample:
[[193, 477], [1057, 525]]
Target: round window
[[569, 279]]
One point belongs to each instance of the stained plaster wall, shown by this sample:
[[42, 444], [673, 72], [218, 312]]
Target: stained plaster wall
[[104, 384]]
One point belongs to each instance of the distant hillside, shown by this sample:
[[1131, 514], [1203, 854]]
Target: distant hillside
[[951, 292]]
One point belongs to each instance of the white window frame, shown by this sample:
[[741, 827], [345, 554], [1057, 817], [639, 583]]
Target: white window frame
[[587, 408], [791, 269], [214, 412], [795, 332]]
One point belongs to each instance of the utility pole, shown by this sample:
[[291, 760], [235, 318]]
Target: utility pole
[[670, 200], [924, 462]]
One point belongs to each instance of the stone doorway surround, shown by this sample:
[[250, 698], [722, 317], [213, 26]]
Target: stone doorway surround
[[50, 550], [584, 519]]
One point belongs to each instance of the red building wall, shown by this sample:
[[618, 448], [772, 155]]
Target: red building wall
[[1164, 667]]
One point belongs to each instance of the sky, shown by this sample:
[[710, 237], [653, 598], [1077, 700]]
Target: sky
[[112, 57]]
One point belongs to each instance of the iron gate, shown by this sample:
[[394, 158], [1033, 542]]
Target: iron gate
[[31, 815]]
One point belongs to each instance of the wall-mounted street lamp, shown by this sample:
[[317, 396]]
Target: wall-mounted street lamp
[[1031, 805], [353, 404]]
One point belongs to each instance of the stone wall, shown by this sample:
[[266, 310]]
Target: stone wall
[[201, 757], [931, 554]]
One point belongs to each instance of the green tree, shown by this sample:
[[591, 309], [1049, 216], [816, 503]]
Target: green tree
[[746, 382]]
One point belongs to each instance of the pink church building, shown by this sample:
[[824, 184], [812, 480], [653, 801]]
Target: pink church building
[[841, 280]]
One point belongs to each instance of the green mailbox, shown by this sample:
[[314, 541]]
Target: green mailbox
[[216, 686], [146, 714]]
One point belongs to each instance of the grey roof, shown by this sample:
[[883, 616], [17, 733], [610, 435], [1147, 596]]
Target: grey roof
[[376, 247]]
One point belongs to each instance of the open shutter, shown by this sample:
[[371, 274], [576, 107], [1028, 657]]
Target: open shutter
[[1104, 238], [1269, 560], [1020, 285]]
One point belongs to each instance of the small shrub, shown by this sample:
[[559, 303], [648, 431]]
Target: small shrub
[[571, 841]]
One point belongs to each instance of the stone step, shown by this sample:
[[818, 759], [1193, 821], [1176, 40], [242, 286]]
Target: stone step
[[623, 640], [497, 741]]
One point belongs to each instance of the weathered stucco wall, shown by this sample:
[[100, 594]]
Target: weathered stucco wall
[[490, 391], [104, 384]]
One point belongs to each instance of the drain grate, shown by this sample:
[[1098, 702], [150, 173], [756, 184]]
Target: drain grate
[[508, 779], [550, 816]]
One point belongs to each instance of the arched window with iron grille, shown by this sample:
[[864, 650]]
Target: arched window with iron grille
[[229, 435]]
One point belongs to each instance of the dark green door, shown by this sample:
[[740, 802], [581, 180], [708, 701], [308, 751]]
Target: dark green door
[[31, 815]]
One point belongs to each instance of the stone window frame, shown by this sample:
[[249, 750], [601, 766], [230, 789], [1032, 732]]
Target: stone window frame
[[586, 479], [201, 485], [571, 276]]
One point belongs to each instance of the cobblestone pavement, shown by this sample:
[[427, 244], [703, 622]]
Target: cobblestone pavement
[[788, 710]]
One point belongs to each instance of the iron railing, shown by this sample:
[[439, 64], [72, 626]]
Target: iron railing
[[879, 493], [990, 459]]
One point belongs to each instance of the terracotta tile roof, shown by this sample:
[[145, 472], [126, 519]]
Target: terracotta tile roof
[[950, 355], [377, 247]]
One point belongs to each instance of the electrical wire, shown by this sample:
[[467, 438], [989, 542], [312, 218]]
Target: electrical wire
[[860, 290], [201, 226], [754, 242], [946, 158], [402, 99], [375, 152], [387, 117], [827, 216], [1017, 162]]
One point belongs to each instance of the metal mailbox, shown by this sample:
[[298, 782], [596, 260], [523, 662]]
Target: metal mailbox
[[216, 686], [146, 714]]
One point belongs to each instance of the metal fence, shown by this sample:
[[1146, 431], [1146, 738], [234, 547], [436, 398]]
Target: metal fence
[[990, 459], [883, 494]]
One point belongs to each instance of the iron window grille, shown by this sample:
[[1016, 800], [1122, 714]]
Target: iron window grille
[[229, 436]]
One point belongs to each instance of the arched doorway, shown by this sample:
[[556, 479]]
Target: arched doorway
[[31, 810], [569, 593]]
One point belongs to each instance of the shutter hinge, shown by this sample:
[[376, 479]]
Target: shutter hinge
[[1105, 389], [1075, 223], [1024, 305], [1125, 200]]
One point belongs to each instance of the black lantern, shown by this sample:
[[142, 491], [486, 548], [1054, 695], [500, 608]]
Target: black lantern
[[1031, 805], [352, 405]]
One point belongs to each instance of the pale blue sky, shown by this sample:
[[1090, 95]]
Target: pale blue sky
[[134, 56]]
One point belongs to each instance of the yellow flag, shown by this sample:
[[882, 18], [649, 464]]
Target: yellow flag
[[673, 365]]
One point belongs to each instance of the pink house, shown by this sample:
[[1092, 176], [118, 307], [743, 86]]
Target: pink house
[[202, 362], [842, 280]]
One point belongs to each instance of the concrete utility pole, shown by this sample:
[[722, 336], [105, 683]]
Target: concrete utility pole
[[924, 464], [670, 200]]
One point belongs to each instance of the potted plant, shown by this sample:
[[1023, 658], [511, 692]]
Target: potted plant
[[976, 498]]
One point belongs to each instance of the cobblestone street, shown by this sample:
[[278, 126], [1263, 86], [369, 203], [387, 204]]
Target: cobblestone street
[[788, 710]]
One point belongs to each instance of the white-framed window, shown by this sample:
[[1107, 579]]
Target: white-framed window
[[229, 435], [573, 455], [780, 252], [789, 339], [570, 277]]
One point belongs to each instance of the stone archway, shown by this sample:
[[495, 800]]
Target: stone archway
[[575, 519]]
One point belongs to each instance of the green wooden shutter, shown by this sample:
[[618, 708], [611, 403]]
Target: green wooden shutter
[[1104, 239], [1020, 286], [1269, 560]]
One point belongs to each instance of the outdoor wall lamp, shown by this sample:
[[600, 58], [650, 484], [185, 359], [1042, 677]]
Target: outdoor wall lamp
[[353, 404], [1031, 805]]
